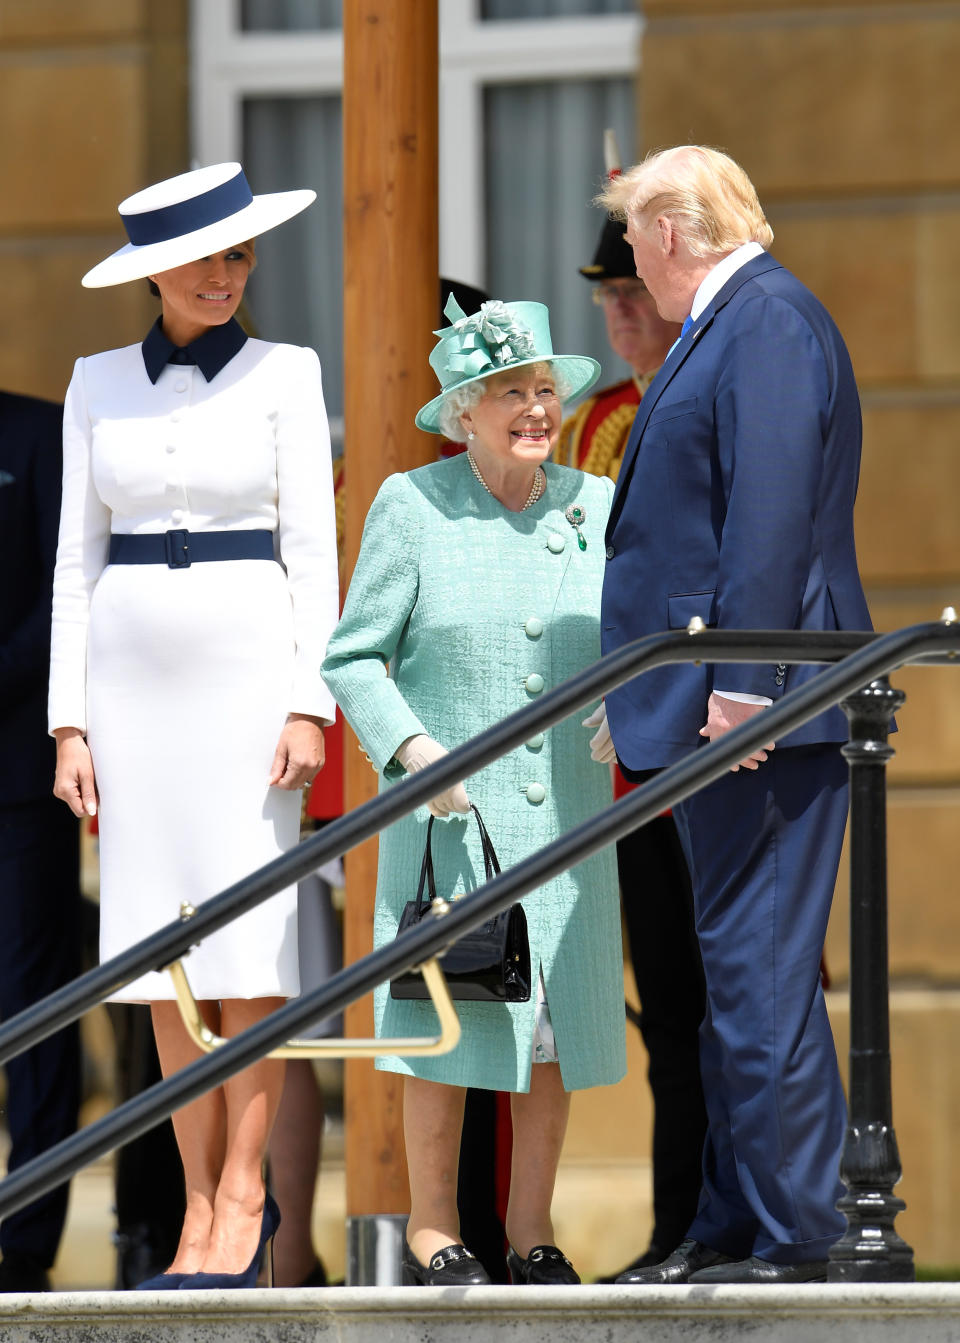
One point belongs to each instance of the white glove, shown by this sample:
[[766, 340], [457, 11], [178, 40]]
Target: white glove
[[601, 743], [419, 752]]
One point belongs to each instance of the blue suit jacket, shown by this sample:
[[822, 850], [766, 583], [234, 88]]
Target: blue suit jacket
[[735, 503], [30, 472]]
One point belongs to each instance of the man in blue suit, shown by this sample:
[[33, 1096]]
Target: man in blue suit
[[735, 504], [39, 840]]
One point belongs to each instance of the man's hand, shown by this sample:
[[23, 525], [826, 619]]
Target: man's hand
[[724, 714]]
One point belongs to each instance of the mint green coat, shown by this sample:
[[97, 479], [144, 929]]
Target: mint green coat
[[477, 610]]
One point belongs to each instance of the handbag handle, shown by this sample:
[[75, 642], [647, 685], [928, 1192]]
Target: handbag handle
[[491, 864]]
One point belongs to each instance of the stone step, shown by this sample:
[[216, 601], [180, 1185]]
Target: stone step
[[919, 1313]]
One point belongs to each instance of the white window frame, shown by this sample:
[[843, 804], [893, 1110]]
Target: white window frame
[[228, 65]]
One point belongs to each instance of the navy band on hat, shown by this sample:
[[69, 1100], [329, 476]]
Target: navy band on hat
[[172, 221]]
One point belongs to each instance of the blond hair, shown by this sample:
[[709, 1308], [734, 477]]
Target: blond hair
[[708, 198]]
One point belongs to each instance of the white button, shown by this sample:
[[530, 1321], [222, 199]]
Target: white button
[[535, 742], [180, 386], [536, 793], [534, 683], [171, 448], [177, 515], [555, 543], [534, 627], [176, 417]]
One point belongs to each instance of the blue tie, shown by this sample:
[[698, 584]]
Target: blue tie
[[687, 324]]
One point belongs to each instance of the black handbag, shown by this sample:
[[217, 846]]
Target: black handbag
[[489, 964]]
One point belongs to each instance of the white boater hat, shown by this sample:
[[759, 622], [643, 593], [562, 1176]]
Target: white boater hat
[[191, 216]]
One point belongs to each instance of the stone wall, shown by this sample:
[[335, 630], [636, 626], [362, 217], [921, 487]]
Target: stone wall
[[845, 117], [93, 102]]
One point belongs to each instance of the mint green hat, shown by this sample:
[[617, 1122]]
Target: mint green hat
[[499, 336]]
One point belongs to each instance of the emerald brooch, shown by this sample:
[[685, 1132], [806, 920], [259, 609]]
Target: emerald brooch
[[577, 516]]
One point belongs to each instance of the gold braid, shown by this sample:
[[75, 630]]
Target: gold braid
[[609, 440], [605, 454]]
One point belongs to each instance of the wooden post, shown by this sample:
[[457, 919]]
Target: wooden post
[[390, 310]]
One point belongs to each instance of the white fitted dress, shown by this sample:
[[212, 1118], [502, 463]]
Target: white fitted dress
[[182, 678]]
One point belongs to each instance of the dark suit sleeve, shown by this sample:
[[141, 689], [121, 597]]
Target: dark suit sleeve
[[25, 654], [771, 405]]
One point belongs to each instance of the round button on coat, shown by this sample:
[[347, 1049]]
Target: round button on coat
[[610, 552], [534, 683], [556, 543], [533, 628], [177, 515], [535, 742], [536, 793]]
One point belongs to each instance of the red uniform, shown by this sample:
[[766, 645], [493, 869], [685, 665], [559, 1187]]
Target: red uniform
[[593, 439]]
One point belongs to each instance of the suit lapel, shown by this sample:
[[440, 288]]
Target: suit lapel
[[671, 366]]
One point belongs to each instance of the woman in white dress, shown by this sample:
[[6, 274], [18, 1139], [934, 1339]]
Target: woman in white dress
[[195, 588]]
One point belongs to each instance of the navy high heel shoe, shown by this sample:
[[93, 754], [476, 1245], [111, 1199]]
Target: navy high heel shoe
[[161, 1282], [248, 1278]]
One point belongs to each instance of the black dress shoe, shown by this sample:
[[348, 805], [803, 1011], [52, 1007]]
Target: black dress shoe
[[689, 1257], [453, 1266], [652, 1255], [22, 1273], [544, 1266], [761, 1270]]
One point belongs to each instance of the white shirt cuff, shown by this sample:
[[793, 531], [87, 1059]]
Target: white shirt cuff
[[743, 699]]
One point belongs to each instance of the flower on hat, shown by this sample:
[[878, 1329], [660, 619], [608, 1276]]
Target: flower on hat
[[492, 337], [498, 336]]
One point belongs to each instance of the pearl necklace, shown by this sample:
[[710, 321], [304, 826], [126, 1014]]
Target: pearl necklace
[[536, 489]]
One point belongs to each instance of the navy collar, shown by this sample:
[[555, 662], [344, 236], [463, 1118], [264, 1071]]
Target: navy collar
[[211, 352]]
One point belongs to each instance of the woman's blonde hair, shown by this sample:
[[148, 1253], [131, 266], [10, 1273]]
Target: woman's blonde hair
[[708, 198]]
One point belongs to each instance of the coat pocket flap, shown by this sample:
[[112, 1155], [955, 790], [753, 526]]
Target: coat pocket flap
[[682, 608], [671, 411]]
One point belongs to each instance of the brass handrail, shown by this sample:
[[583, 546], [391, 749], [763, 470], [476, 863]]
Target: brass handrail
[[411, 1046]]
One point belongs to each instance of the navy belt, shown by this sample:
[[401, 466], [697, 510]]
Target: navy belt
[[179, 549]]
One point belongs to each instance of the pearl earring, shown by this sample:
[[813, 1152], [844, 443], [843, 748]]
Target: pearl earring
[[471, 436]]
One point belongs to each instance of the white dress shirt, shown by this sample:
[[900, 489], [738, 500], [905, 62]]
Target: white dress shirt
[[709, 288]]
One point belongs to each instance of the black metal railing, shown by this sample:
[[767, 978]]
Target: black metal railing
[[862, 658]]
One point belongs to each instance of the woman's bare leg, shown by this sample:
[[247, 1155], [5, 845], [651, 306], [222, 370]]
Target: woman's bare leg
[[432, 1123], [251, 1101], [200, 1128], [539, 1125], [295, 1146]]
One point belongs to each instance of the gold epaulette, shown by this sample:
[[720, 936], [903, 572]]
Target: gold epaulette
[[339, 504], [571, 431], [609, 439]]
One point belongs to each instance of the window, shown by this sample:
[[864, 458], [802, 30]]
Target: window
[[520, 157]]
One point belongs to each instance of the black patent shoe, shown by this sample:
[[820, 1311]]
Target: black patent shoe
[[762, 1270], [452, 1266], [653, 1254], [544, 1266], [688, 1258]]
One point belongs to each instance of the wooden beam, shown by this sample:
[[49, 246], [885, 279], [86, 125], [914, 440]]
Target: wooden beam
[[390, 310]]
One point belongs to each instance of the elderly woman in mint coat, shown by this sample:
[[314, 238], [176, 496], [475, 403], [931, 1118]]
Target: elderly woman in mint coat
[[477, 589]]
